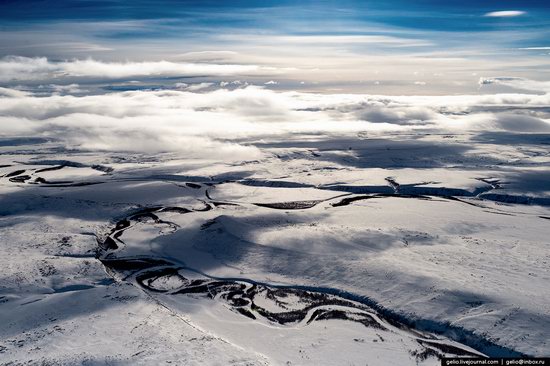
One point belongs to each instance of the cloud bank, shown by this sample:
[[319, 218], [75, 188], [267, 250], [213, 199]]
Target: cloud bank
[[223, 124], [17, 68]]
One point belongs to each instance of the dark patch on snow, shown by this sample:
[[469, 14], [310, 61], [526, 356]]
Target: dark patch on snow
[[193, 185], [294, 205], [14, 173], [20, 178], [58, 167]]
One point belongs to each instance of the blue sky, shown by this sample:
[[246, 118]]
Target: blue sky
[[337, 44], [418, 15]]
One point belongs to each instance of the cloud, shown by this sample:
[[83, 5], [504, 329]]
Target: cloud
[[517, 83], [7, 92], [318, 69], [399, 115], [16, 68], [62, 89], [505, 13], [314, 39], [521, 123], [200, 86], [498, 80], [207, 56], [223, 124], [535, 48]]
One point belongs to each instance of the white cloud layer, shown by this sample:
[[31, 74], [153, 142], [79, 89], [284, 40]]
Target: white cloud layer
[[17, 68], [222, 124]]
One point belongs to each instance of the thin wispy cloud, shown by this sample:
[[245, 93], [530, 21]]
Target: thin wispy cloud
[[340, 40], [505, 13], [535, 48]]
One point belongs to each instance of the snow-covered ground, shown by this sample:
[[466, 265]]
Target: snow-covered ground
[[397, 249]]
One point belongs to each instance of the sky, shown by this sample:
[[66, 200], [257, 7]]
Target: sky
[[383, 47], [210, 78]]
